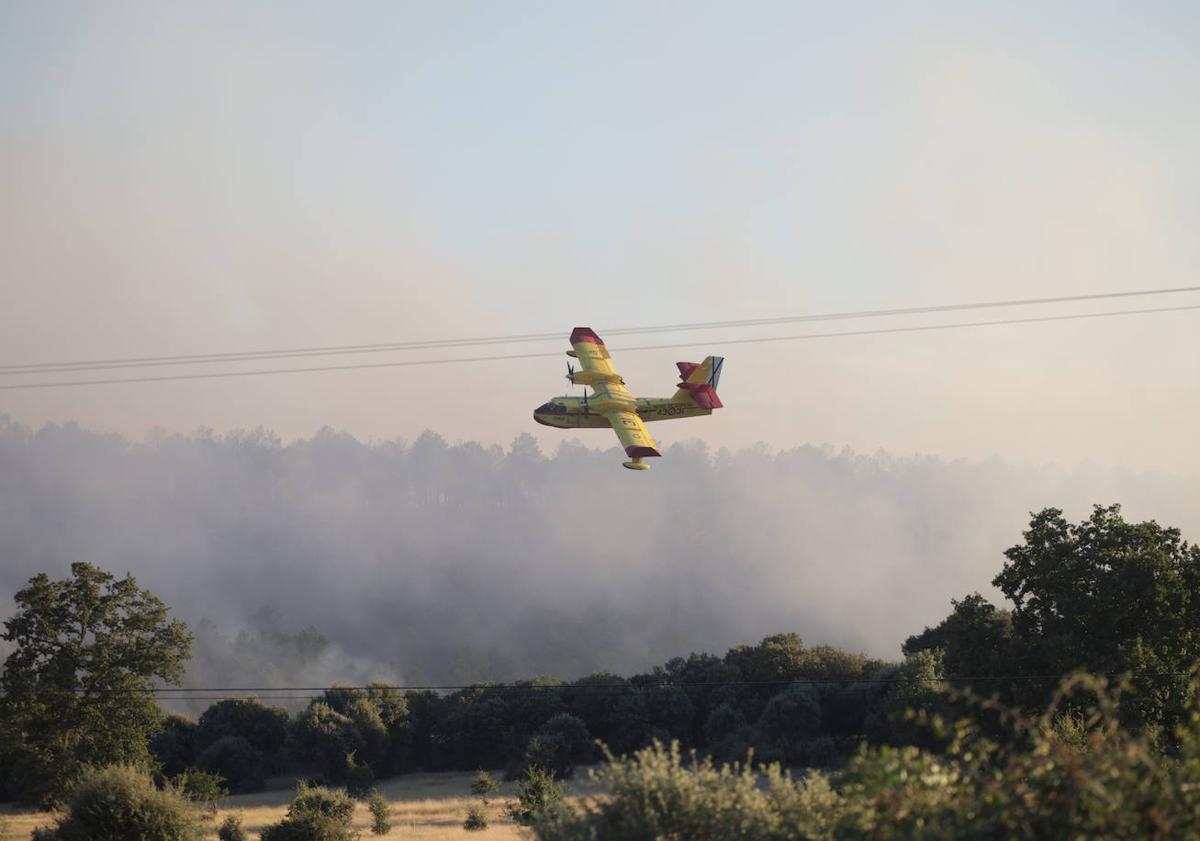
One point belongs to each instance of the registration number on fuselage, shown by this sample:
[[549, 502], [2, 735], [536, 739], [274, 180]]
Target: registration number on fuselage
[[671, 410]]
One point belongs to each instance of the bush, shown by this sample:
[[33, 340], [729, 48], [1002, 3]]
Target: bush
[[315, 814], [121, 803], [537, 795], [236, 760], [381, 814], [476, 820], [231, 829], [201, 787], [656, 794], [483, 786], [1054, 777]]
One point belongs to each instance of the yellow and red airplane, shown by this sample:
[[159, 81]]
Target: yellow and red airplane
[[612, 405]]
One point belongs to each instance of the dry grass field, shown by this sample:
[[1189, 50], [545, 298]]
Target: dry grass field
[[425, 807]]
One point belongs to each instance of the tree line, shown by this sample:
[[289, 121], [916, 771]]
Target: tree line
[[1114, 597]]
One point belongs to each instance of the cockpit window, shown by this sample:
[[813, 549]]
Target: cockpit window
[[552, 408]]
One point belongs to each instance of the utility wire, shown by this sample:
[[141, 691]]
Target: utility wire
[[596, 687], [630, 349], [337, 350]]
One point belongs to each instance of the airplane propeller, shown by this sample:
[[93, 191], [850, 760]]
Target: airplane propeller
[[571, 373], [585, 403]]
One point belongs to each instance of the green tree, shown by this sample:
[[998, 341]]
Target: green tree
[[1111, 597], [236, 761], [76, 688], [976, 638], [613, 710], [1104, 595], [723, 722], [263, 727], [777, 660], [322, 738], [790, 718], [381, 718], [174, 746], [472, 732]]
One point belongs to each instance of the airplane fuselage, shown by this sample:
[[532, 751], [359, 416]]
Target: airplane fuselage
[[569, 413]]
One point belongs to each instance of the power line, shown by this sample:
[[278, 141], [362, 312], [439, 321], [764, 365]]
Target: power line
[[630, 349], [388, 347], [517, 688]]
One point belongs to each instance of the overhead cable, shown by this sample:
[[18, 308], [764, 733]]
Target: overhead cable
[[629, 349], [431, 344]]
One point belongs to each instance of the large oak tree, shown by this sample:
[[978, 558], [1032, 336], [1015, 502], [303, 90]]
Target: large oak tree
[[78, 688]]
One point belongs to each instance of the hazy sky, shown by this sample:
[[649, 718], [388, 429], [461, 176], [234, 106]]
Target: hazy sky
[[180, 178]]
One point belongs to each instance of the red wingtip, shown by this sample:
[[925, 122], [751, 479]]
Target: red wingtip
[[585, 334], [634, 451], [686, 369]]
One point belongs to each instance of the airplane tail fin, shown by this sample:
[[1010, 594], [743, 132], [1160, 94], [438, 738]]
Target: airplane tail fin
[[700, 381]]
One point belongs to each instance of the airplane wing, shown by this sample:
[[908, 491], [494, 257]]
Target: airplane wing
[[635, 438], [611, 398], [593, 356], [598, 371]]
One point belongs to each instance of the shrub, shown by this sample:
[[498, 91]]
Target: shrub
[[315, 814], [537, 795], [236, 760], [476, 820], [231, 829], [656, 794], [319, 800], [381, 814], [1048, 778], [483, 786], [201, 787], [121, 803]]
